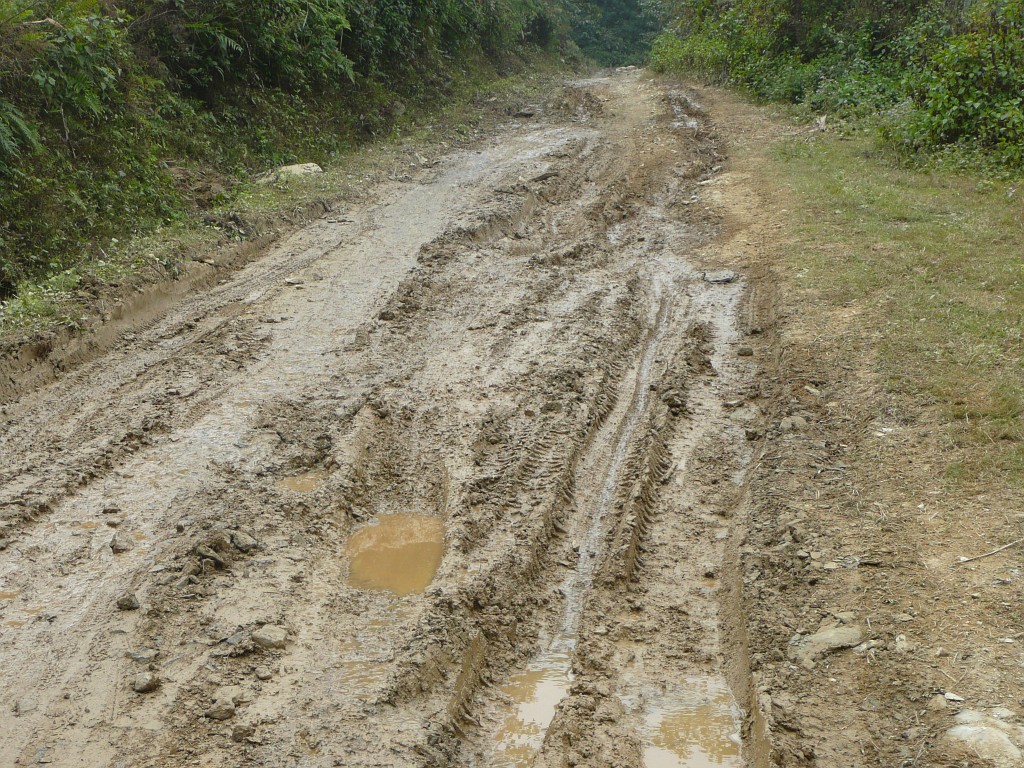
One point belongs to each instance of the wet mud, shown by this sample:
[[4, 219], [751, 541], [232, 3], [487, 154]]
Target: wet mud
[[457, 479]]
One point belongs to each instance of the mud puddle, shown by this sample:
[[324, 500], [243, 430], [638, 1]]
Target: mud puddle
[[398, 554], [697, 726], [307, 482], [536, 694]]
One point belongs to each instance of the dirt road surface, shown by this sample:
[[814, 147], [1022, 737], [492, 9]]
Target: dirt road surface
[[460, 476]]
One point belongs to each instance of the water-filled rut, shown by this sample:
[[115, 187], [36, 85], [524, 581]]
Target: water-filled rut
[[536, 692]]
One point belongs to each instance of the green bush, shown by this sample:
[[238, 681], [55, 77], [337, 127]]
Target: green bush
[[936, 79], [973, 89], [293, 44], [106, 105]]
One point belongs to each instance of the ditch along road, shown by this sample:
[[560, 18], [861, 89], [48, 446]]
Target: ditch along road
[[461, 477]]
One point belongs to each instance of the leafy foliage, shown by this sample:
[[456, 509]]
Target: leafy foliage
[[288, 43], [108, 107], [614, 32], [941, 74]]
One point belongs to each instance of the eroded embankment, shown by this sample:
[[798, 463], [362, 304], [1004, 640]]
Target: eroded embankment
[[510, 381]]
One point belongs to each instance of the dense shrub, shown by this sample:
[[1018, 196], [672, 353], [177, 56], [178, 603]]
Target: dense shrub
[[205, 43], [940, 74], [613, 32], [105, 103], [973, 88]]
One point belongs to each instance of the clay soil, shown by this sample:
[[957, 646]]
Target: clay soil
[[548, 408]]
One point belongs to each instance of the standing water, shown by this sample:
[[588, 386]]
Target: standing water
[[694, 727]]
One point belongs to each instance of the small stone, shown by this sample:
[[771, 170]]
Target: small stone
[[992, 740], [128, 602], [242, 732], [243, 541], [745, 351], [953, 697], [793, 424], [903, 617], [120, 543], [145, 682], [143, 656], [869, 646], [264, 673], [292, 171], [224, 702], [902, 645], [937, 703], [270, 636], [806, 650], [222, 709], [601, 630]]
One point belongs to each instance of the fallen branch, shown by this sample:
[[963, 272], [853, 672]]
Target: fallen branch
[[989, 554]]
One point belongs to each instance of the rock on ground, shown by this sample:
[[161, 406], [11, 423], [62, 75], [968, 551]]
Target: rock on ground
[[992, 738], [808, 649], [145, 682], [270, 636]]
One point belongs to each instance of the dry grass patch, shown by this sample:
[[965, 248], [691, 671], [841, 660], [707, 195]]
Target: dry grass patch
[[932, 264]]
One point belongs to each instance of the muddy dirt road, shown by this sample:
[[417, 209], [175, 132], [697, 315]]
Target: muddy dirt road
[[455, 477]]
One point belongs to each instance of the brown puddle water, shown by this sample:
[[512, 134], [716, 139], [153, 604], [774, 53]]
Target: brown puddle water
[[536, 694], [362, 677], [697, 727], [400, 554], [304, 483]]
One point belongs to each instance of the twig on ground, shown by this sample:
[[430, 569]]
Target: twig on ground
[[989, 554]]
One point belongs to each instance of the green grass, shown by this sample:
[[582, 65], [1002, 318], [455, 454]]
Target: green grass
[[933, 263]]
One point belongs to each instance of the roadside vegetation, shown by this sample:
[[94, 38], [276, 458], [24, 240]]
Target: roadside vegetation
[[614, 33], [941, 82], [908, 219], [925, 268], [117, 118]]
